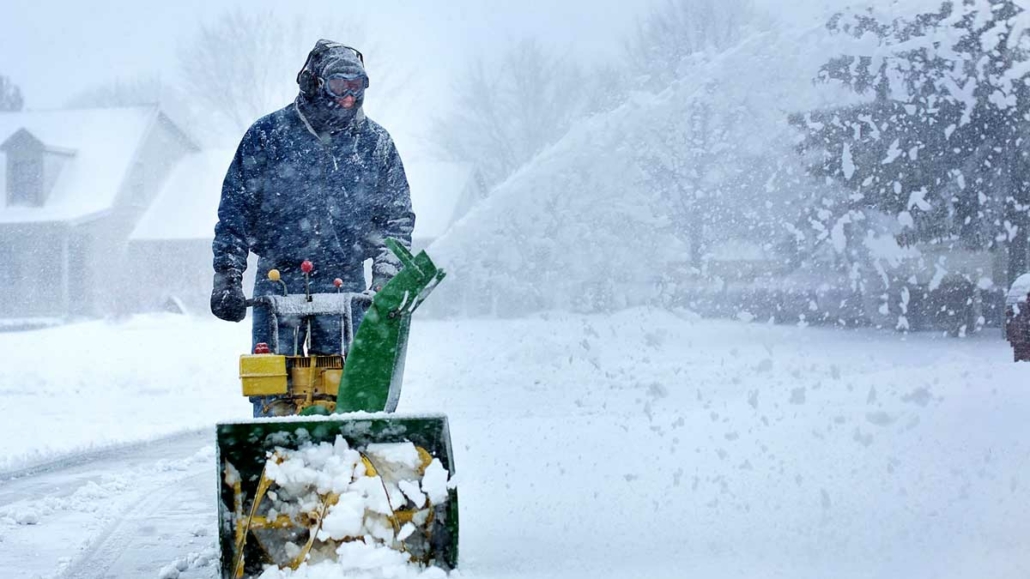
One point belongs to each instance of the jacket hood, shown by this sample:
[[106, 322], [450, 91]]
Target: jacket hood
[[322, 111]]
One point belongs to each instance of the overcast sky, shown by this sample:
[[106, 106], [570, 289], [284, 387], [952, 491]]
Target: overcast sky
[[50, 48], [54, 49]]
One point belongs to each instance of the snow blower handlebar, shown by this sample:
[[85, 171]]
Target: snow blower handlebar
[[307, 306], [374, 352]]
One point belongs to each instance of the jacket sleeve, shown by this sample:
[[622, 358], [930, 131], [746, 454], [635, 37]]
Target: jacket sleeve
[[239, 205], [392, 216]]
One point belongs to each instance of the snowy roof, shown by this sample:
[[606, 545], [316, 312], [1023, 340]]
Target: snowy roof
[[104, 142], [1019, 290], [437, 189], [187, 205]]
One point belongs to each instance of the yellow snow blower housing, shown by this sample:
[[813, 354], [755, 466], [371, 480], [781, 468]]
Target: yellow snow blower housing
[[296, 382]]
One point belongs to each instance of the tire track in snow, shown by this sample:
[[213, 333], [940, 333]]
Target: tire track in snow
[[118, 453], [155, 530], [71, 519]]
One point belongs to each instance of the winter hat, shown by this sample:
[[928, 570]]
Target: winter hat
[[320, 110], [328, 57]]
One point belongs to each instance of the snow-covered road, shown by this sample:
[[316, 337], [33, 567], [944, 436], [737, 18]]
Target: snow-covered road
[[640, 444], [130, 511]]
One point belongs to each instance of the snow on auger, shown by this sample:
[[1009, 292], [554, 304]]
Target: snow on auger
[[335, 474]]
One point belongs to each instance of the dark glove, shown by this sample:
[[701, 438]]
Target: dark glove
[[227, 299]]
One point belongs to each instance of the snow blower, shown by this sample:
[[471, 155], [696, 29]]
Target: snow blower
[[334, 477]]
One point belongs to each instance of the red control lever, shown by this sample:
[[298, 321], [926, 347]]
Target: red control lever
[[306, 266]]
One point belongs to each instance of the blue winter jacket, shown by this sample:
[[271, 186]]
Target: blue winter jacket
[[290, 195]]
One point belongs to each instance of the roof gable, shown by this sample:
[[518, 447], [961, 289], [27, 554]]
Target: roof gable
[[22, 139], [98, 147], [187, 205]]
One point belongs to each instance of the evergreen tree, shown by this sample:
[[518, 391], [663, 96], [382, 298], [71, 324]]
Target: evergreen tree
[[10, 96], [942, 142]]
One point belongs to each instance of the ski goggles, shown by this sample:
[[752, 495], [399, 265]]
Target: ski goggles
[[340, 85]]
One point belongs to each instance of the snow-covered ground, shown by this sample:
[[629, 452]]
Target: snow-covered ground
[[645, 443], [89, 385]]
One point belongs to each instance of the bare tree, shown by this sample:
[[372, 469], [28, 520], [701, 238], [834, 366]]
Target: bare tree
[[688, 161], [10, 95], [677, 29], [149, 90], [244, 65], [505, 114], [143, 90]]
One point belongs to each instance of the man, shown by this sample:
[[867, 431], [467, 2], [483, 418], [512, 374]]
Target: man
[[316, 180]]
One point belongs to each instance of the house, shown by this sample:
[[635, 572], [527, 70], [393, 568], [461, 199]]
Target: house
[[74, 184], [170, 247]]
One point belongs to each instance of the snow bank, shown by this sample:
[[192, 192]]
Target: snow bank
[[89, 386]]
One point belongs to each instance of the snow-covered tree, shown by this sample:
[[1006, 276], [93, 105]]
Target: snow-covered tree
[[10, 95], [942, 141], [694, 160], [142, 90], [686, 162]]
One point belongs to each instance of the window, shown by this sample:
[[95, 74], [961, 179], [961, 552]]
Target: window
[[25, 181]]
